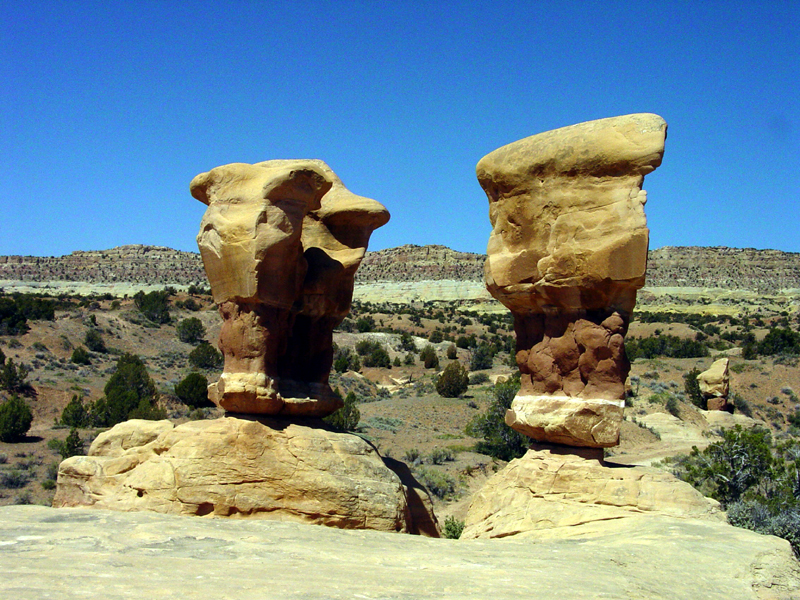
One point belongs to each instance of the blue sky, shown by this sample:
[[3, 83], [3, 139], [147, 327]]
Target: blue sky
[[109, 109]]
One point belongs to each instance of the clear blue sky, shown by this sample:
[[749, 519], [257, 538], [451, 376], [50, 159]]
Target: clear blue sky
[[108, 109]]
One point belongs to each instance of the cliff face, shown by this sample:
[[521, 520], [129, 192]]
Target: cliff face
[[765, 271]]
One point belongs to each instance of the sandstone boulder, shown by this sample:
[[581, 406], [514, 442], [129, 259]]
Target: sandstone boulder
[[235, 467], [715, 383], [567, 252], [552, 488], [281, 241]]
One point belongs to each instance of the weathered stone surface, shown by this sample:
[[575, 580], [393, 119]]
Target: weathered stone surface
[[281, 241], [551, 489], [567, 252], [96, 554], [714, 384], [271, 469]]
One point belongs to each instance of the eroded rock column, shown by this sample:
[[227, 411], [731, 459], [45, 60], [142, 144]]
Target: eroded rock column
[[281, 241], [567, 252]]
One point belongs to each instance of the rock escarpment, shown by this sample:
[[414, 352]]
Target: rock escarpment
[[567, 252], [281, 241], [234, 467]]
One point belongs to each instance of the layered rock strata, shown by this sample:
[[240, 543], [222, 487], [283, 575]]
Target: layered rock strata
[[234, 467], [281, 241], [715, 384], [567, 252]]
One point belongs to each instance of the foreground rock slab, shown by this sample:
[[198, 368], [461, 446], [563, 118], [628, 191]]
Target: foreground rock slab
[[238, 467], [71, 553], [552, 489]]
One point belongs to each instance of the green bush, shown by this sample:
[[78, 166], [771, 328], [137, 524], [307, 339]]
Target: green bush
[[80, 356], [205, 356], [192, 390], [780, 341], [670, 346], [12, 377], [75, 413], [345, 360], [14, 479], [453, 382], [428, 356], [365, 324], [15, 419], [439, 456], [130, 393], [407, 342], [72, 446], [191, 330], [499, 440], [154, 306], [452, 353], [436, 337], [94, 341], [481, 358], [453, 528], [438, 483], [347, 417], [692, 388]]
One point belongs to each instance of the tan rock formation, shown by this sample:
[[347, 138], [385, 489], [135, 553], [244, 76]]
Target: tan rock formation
[[551, 489], [281, 241], [714, 384], [567, 252], [270, 469]]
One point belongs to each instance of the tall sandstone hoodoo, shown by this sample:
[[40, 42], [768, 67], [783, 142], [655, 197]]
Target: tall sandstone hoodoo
[[281, 241], [567, 252]]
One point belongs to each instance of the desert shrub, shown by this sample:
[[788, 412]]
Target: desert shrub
[[12, 321], [12, 377], [15, 419], [409, 360], [71, 446], [758, 517], [499, 440], [407, 342], [365, 324], [75, 413], [428, 356], [780, 341], [438, 483], [478, 378], [345, 360], [452, 354], [14, 479], [378, 358], [154, 306], [672, 406], [466, 341], [189, 304], [347, 417], [481, 358], [80, 356], [94, 341], [205, 356], [436, 337], [192, 390], [692, 388], [130, 393], [453, 382], [453, 528], [412, 456], [664, 345], [742, 405], [439, 456], [191, 330]]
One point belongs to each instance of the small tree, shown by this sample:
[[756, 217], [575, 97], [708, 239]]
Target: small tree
[[72, 446], [428, 356], [452, 354], [154, 306], [75, 413], [692, 388], [205, 356], [193, 391], [94, 341], [129, 394], [481, 358], [80, 356], [12, 378], [15, 419], [499, 440], [191, 330], [453, 382], [347, 417]]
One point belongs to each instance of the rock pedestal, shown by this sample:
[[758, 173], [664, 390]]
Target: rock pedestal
[[281, 241], [567, 252], [234, 467], [556, 488], [715, 385]]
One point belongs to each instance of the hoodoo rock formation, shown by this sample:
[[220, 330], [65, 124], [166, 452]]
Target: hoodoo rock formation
[[715, 384], [281, 241], [567, 252]]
